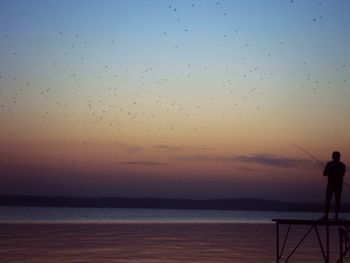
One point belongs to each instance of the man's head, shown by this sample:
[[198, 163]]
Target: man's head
[[336, 156]]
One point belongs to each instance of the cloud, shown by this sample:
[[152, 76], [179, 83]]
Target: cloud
[[120, 144], [128, 148], [133, 149], [201, 157], [260, 159], [146, 163], [171, 148], [11, 157], [272, 160]]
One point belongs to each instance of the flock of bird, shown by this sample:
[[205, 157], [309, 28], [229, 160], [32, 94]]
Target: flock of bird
[[153, 103]]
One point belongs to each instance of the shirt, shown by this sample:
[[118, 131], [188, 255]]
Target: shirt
[[335, 170]]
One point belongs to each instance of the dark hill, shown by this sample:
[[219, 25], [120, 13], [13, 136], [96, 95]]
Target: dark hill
[[162, 203]]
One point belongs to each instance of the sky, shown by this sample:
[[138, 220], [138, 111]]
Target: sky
[[176, 99]]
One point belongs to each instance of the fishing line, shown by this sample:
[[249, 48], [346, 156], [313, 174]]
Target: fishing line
[[314, 158], [309, 154]]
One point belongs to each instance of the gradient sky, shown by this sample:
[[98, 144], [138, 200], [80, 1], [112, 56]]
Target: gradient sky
[[185, 99]]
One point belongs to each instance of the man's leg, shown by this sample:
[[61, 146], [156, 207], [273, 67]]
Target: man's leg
[[329, 194], [338, 191]]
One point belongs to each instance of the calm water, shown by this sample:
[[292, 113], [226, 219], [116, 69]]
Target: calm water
[[122, 215], [144, 235]]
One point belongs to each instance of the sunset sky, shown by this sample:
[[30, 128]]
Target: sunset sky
[[183, 99]]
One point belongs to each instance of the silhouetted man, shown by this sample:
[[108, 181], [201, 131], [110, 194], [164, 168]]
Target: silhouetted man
[[335, 170]]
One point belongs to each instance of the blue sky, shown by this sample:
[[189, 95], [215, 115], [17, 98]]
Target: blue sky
[[106, 82]]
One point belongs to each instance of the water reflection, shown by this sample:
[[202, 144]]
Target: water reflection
[[140, 242], [136, 243]]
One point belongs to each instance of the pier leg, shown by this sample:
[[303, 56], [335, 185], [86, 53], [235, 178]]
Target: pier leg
[[301, 241], [340, 246], [277, 242], [327, 241]]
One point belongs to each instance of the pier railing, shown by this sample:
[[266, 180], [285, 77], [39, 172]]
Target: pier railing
[[343, 227]]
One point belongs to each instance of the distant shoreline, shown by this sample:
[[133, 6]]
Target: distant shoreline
[[163, 203]]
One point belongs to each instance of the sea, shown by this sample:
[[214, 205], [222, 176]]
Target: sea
[[50, 235]]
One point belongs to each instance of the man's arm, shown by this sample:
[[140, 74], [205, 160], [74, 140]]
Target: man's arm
[[325, 171]]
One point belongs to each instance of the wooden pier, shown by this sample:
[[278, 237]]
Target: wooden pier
[[343, 227]]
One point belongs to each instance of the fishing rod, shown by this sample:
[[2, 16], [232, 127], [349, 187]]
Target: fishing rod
[[309, 154], [313, 158]]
